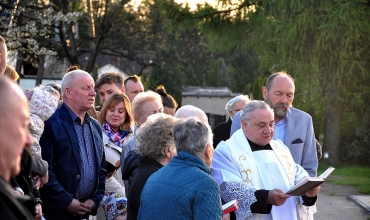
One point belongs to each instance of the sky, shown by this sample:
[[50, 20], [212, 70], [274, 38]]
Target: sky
[[192, 3]]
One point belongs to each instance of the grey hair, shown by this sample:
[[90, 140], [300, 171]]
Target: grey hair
[[140, 99], [51, 90], [155, 134], [188, 111], [230, 104], [56, 86], [251, 106], [69, 78], [192, 135]]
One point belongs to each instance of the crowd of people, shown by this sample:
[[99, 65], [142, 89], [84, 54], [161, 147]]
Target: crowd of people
[[141, 156]]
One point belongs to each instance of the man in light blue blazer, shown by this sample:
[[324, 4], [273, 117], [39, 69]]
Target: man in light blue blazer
[[293, 126], [72, 145]]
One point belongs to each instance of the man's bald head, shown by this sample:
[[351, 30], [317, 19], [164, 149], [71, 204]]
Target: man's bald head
[[78, 91], [69, 79], [14, 133], [188, 111]]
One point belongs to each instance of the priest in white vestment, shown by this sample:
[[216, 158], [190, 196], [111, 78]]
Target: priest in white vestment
[[257, 171]]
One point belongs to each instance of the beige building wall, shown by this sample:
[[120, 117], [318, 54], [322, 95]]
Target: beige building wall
[[212, 105]]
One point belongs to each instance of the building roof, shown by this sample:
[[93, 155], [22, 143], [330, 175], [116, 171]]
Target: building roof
[[208, 91]]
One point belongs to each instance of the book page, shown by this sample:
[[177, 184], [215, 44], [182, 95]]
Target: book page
[[327, 172]]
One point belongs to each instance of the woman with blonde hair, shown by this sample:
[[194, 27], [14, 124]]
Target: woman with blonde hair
[[116, 119]]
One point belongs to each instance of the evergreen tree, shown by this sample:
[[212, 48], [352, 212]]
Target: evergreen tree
[[321, 43]]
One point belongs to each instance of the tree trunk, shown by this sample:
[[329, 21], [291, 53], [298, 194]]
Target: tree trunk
[[332, 117], [40, 70], [18, 65]]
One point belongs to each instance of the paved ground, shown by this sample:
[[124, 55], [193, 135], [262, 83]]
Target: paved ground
[[334, 203]]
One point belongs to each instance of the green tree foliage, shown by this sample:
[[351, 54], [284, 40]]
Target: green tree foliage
[[355, 125], [325, 37], [223, 79], [181, 57], [323, 44], [256, 88], [170, 80], [245, 64]]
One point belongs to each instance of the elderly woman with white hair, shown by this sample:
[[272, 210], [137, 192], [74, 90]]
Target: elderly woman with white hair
[[222, 131], [144, 105], [156, 147]]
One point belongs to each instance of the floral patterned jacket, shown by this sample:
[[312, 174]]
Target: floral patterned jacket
[[42, 106]]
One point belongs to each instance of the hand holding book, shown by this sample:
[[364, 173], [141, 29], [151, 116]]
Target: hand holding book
[[314, 191]]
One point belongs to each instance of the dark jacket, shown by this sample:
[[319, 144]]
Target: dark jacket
[[221, 132], [146, 168], [24, 178], [130, 167], [60, 148], [11, 205]]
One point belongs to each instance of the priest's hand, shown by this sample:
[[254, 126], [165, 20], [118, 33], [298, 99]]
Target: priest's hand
[[313, 192], [277, 197]]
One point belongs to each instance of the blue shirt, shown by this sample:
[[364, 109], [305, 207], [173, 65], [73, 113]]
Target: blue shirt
[[89, 177], [236, 124], [279, 129]]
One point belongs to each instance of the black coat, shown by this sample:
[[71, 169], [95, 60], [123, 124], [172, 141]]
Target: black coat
[[24, 178], [11, 205], [221, 132], [146, 168], [130, 167]]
